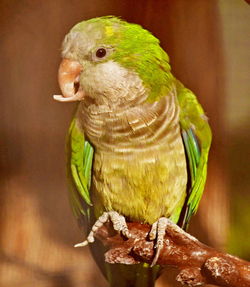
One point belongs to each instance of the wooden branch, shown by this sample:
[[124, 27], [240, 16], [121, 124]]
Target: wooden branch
[[198, 263]]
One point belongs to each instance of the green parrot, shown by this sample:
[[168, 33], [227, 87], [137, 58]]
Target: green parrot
[[139, 140]]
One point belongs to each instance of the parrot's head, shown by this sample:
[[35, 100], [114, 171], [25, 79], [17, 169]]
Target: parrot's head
[[112, 62]]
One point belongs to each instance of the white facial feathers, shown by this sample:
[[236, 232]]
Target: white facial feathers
[[110, 83]]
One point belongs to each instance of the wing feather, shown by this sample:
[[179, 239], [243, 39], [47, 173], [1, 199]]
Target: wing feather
[[196, 135], [80, 158]]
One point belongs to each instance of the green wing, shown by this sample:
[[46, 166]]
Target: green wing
[[196, 135], [80, 157]]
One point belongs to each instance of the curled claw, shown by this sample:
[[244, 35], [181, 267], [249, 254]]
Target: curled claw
[[118, 221], [68, 78], [61, 98]]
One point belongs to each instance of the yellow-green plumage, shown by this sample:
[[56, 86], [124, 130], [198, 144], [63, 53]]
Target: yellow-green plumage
[[138, 133], [139, 155]]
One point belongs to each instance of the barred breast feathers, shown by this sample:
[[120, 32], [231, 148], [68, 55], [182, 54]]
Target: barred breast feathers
[[137, 127]]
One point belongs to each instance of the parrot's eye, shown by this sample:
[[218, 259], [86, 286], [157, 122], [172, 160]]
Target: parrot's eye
[[100, 53]]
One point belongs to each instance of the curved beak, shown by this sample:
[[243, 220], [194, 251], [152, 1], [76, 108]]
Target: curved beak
[[68, 78]]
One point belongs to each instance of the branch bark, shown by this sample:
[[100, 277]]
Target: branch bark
[[197, 263]]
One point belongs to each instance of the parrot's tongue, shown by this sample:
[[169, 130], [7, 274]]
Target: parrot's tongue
[[68, 78]]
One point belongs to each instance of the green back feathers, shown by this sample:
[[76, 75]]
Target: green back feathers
[[134, 48]]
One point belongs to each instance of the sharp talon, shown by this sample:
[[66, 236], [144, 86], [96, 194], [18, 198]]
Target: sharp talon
[[119, 224], [155, 259], [158, 232], [84, 243], [128, 234]]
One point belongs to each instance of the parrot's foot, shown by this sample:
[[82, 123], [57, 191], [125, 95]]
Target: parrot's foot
[[119, 225], [157, 232]]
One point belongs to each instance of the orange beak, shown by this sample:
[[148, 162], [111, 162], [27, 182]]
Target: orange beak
[[68, 78]]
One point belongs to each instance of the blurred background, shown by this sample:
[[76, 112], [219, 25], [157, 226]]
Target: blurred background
[[209, 50]]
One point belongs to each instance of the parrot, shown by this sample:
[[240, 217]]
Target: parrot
[[138, 142]]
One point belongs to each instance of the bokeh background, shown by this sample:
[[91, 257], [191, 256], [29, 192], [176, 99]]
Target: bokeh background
[[209, 50]]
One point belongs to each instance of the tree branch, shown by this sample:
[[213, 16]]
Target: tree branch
[[198, 263]]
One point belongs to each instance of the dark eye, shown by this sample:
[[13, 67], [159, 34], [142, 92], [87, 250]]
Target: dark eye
[[100, 53]]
